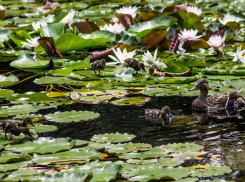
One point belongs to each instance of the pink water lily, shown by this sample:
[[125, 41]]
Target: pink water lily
[[114, 28], [188, 35], [215, 41], [194, 9], [115, 20]]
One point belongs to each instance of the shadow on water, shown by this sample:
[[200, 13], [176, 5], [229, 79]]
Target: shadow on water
[[224, 137]]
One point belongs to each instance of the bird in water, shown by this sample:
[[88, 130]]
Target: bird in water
[[15, 128], [135, 64], [98, 65], [220, 101], [165, 114]]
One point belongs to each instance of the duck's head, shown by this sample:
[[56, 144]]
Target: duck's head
[[142, 66], [202, 84], [103, 62], [28, 120], [166, 110]]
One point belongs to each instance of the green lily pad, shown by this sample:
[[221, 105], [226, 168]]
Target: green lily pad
[[93, 146], [152, 172], [56, 80], [141, 29], [155, 152], [57, 177], [13, 166], [9, 156], [5, 93], [171, 162], [72, 116], [183, 147], [44, 128], [42, 145], [16, 110], [52, 30], [127, 147], [23, 175], [72, 155], [112, 138], [142, 162], [209, 170], [131, 101], [8, 80]]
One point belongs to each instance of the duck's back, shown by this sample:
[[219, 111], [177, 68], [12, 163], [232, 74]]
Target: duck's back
[[154, 113]]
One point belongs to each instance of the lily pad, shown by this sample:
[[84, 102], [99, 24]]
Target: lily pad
[[44, 128], [72, 116], [5, 93], [9, 156], [183, 147], [16, 110], [127, 147], [8, 80], [131, 101], [13, 166], [42, 145], [112, 138], [57, 177]]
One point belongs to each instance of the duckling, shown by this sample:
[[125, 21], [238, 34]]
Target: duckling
[[135, 64], [218, 101], [157, 113], [155, 70], [98, 65], [14, 127], [17, 131]]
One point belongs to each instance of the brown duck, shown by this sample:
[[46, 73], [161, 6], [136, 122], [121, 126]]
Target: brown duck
[[157, 114], [135, 64], [16, 128], [218, 101], [98, 65]]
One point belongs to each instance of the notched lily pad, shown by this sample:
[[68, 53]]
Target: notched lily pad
[[131, 101], [72, 116], [112, 138]]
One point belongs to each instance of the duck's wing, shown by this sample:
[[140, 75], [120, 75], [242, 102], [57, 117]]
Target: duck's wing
[[235, 93], [218, 100]]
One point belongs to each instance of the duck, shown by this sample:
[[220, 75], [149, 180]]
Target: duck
[[98, 65], [155, 70], [216, 102], [16, 128], [135, 64], [165, 114]]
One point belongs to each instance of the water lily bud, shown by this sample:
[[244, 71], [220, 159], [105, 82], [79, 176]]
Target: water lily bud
[[75, 31]]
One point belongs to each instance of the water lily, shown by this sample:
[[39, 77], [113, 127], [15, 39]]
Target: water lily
[[30, 44], [150, 60], [215, 41], [115, 20], [121, 55], [128, 10], [239, 55], [188, 35], [68, 18], [229, 18], [114, 28], [194, 9], [38, 24]]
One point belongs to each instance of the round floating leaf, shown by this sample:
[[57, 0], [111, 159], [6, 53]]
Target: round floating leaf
[[74, 116], [183, 147], [44, 128], [93, 146], [23, 175], [5, 93], [80, 143], [155, 152], [8, 79], [142, 162], [57, 177], [127, 147], [131, 101], [42, 145], [13, 166], [52, 30], [26, 61], [188, 154], [9, 156], [16, 110], [153, 172], [71, 156], [112, 138], [171, 162], [209, 170], [56, 80]]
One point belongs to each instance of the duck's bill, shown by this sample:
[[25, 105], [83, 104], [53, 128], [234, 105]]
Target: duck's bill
[[194, 88], [144, 70], [33, 124]]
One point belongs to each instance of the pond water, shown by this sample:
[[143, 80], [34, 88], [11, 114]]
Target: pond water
[[224, 137]]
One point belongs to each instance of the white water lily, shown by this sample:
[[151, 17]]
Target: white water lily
[[121, 55], [188, 35], [150, 60], [215, 41], [68, 18], [128, 10], [229, 18], [194, 9], [239, 55], [30, 44], [38, 24], [114, 28]]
